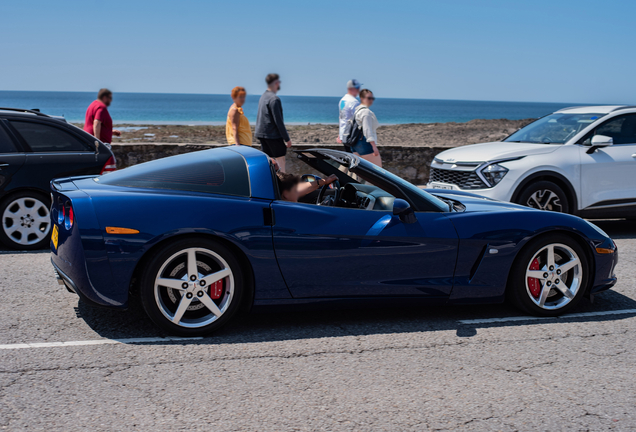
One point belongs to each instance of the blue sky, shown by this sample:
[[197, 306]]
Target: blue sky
[[552, 51]]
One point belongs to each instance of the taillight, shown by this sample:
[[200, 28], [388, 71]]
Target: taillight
[[61, 215], [68, 216], [109, 166]]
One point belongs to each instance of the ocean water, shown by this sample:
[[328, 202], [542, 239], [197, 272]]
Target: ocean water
[[212, 109]]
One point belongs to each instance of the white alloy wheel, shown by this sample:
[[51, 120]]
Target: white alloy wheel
[[194, 287], [26, 221], [554, 276]]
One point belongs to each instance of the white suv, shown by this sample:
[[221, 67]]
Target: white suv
[[579, 160]]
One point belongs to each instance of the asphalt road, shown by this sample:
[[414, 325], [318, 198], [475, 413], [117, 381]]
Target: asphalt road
[[416, 369]]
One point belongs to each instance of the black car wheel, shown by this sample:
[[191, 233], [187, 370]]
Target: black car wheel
[[26, 221], [544, 195], [549, 277], [192, 287]]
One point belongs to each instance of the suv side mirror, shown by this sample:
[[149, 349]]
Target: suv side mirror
[[600, 141], [403, 210]]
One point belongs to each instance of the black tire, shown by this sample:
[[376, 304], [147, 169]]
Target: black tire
[[157, 307], [34, 234], [544, 195], [519, 291]]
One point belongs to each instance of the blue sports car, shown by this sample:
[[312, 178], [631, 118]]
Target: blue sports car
[[202, 235]]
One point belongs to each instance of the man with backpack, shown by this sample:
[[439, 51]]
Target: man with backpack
[[347, 107]]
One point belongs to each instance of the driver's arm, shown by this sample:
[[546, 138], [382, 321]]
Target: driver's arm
[[308, 187]]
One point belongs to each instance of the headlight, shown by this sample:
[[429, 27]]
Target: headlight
[[493, 174]]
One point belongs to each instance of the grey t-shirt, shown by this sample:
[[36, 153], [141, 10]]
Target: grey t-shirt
[[269, 120]]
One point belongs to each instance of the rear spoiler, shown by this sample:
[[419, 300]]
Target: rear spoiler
[[66, 183]]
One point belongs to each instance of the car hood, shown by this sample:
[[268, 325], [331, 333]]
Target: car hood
[[477, 203], [492, 151], [479, 208]]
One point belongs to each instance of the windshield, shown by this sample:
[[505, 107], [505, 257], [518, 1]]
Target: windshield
[[553, 129], [336, 162], [403, 184]]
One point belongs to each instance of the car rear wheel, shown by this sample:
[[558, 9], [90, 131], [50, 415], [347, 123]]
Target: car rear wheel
[[549, 276], [26, 221], [545, 195], [192, 287]]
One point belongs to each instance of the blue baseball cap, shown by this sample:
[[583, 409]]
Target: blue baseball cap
[[354, 83]]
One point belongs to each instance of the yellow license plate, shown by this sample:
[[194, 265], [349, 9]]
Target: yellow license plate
[[54, 236]]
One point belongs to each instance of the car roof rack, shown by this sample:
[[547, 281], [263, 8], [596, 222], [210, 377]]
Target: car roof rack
[[30, 111]]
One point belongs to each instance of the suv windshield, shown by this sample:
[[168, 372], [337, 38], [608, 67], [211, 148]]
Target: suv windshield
[[556, 128]]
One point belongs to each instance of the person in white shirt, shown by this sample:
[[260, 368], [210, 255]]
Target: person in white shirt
[[348, 105], [367, 147]]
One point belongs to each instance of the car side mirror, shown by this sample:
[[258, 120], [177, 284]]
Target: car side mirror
[[600, 141], [403, 210]]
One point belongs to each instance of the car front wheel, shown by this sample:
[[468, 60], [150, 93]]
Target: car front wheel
[[544, 195], [26, 221], [192, 287], [549, 276]]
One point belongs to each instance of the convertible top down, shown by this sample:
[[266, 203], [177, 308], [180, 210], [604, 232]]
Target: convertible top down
[[200, 235]]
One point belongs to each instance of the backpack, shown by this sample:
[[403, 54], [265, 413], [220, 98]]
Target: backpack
[[352, 131]]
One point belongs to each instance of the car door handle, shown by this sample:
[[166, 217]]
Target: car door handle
[[3, 164], [634, 156]]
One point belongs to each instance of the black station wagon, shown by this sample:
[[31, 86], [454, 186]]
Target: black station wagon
[[34, 149]]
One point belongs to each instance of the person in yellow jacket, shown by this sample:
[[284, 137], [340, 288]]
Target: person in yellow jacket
[[237, 128]]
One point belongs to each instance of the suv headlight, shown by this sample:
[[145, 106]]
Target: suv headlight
[[493, 174]]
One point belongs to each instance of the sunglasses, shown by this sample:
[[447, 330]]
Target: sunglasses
[[370, 97]]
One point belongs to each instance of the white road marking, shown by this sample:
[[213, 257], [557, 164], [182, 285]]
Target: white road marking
[[179, 339], [95, 342], [533, 318]]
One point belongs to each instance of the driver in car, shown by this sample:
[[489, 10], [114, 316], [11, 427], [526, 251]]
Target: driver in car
[[291, 188]]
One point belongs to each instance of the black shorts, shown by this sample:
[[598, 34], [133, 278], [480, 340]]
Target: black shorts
[[273, 147]]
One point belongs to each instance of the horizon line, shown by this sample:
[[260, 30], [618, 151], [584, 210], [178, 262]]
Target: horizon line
[[283, 95]]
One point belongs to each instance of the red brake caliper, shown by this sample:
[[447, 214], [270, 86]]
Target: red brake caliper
[[216, 290], [533, 283]]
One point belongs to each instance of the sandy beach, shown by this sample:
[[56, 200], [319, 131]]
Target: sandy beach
[[407, 135]]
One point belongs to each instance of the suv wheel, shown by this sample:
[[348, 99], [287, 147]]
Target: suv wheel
[[544, 195], [26, 222]]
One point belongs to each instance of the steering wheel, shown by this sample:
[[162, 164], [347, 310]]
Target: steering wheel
[[330, 200]]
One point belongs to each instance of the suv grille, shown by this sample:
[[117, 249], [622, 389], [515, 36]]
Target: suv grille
[[463, 179]]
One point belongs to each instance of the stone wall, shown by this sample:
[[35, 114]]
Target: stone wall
[[410, 163]]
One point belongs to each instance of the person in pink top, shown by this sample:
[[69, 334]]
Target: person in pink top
[[98, 121]]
